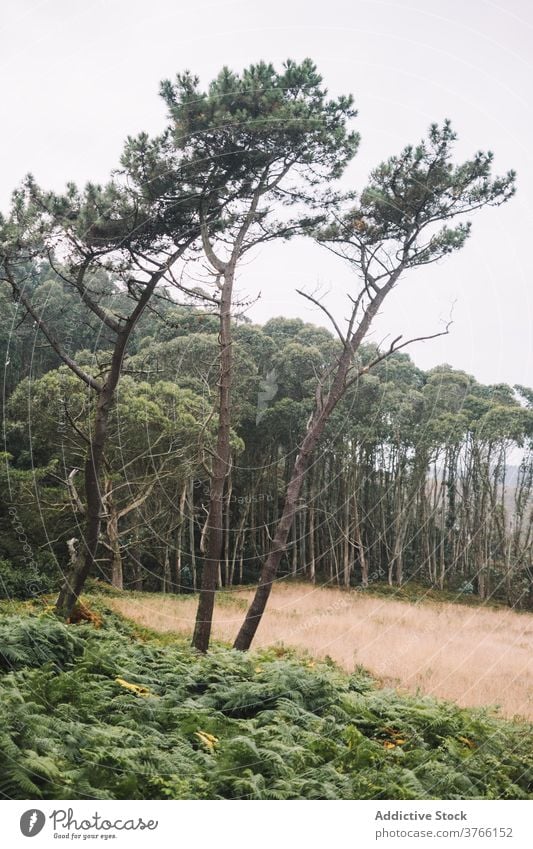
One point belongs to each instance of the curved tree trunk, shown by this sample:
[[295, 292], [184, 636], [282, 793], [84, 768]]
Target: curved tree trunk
[[94, 463], [74, 582]]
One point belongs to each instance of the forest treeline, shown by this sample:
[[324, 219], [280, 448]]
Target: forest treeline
[[420, 475]]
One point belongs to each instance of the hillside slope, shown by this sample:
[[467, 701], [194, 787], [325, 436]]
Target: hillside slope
[[473, 655], [117, 713]]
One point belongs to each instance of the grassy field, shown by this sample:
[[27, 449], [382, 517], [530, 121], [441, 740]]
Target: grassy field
[[473, 655]]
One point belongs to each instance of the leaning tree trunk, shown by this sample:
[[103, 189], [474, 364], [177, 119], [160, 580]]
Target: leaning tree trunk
[[279, 543], [292, 495]]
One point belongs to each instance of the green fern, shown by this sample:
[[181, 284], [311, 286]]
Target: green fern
[[279, 727], [32, 642]]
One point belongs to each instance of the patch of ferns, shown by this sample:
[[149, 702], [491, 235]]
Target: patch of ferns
[[103, 714]]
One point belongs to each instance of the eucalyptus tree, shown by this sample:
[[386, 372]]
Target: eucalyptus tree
[[412, 213], [264, 137], [488, 494], [153, 431]]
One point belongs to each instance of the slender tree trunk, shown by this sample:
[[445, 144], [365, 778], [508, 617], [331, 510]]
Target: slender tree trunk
[[253, 530], [347, 544], [135, 557], [271, 564], [302, 538], [165, 582], [220, 470], [312, 562], [179, 538], [192, 540], [321, 414], [117, 575], [359, 542], [113, 537], [442, 554], [227, 541], [334, 560]]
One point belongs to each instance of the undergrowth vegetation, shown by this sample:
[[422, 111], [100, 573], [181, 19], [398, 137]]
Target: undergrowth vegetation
[[116, 712]]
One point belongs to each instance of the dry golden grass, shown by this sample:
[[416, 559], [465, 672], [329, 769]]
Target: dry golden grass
[[472, 655]]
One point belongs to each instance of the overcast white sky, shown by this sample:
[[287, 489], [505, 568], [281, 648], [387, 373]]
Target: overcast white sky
[[78, 76]]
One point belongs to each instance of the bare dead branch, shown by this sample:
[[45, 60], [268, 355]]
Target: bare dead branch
[[325, 310]]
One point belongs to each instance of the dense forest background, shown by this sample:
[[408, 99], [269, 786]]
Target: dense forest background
[[424, 476]]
